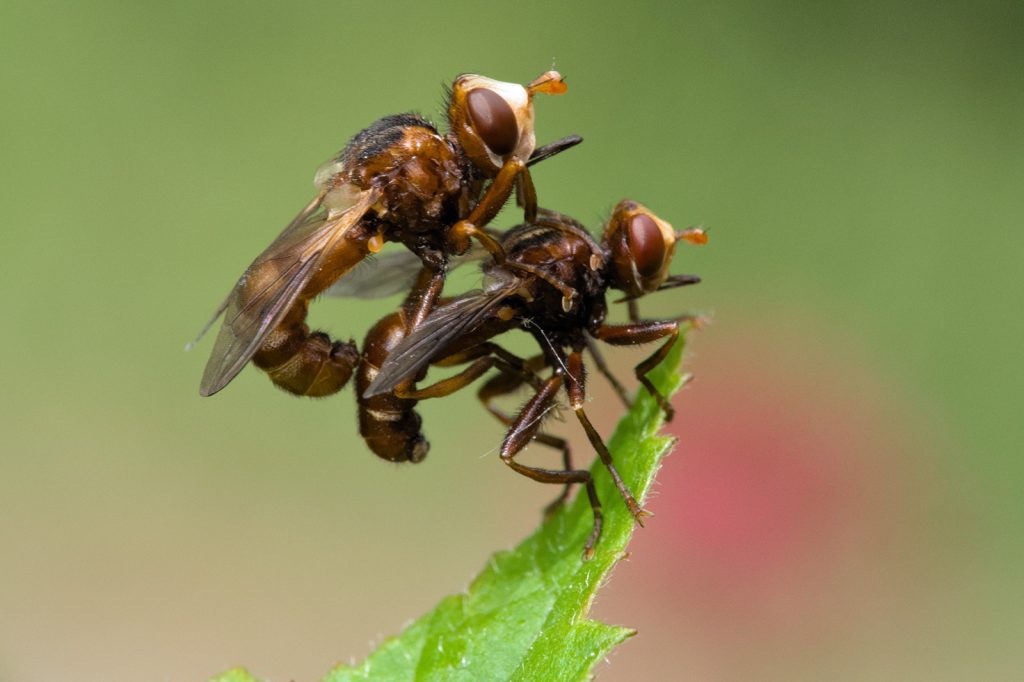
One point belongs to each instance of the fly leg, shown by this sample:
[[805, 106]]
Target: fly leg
[[513, 373], [575, 386], [568, 293], [513, 175], [483, 356], [507, 382], [423, 296], [417, 305], [524, 429], [644, 332], [634, 310], [490, 203], [526, 196], [603, 368]]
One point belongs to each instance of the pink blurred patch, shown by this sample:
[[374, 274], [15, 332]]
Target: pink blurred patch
[[773, 516]]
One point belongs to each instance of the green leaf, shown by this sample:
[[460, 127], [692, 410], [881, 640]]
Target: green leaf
[[235, 675], [524, 616]]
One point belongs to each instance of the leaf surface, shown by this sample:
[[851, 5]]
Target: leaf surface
[[524, 617]]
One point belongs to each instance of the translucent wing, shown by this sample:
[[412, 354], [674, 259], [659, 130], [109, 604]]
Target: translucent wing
[[443, 325], [393, 273], [273, 282], [303, 216]]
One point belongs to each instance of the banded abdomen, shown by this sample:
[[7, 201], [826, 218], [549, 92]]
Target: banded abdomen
[[390, 425]]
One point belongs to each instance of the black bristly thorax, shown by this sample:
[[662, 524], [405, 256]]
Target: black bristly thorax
[[565, 258], [377, 137]]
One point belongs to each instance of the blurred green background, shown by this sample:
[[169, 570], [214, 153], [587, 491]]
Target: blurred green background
[[846, 499]]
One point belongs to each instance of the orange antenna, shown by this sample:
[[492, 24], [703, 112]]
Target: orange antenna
[[549, 83], [693, 235]]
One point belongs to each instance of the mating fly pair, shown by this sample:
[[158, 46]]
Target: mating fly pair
[[401, 180]]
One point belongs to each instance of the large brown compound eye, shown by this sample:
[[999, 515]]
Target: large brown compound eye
[[494, 119], [646, 244]]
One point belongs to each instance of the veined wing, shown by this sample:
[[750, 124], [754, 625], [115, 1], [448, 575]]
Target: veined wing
[[396, 272], [379, 276], [443, 325], [271, 285], [303, 217], [392, 273]]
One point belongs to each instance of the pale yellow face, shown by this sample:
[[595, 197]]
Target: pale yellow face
[[494, 118]]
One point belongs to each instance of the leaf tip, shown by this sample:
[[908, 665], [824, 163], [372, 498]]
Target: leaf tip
[[235, 675]]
